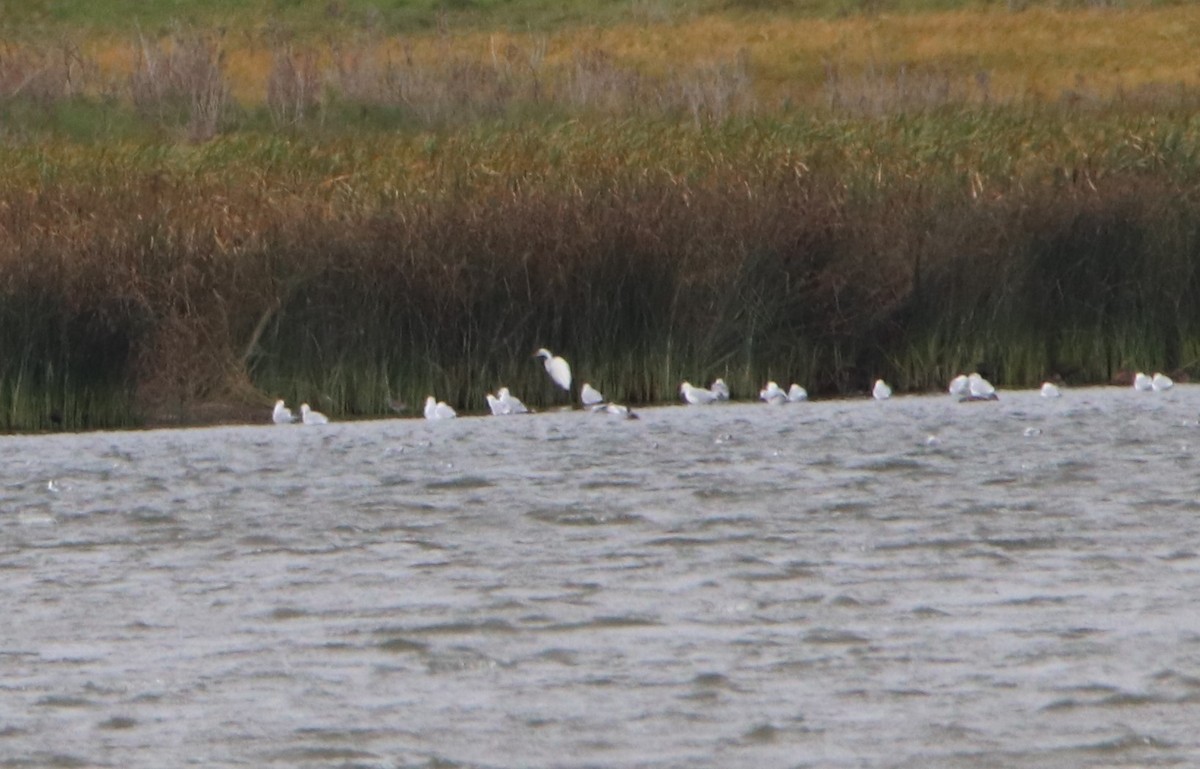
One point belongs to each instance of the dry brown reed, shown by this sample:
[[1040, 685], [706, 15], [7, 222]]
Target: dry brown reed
[[655, 222], [293, 87], [182, 80], [43, 74], [317, 272]]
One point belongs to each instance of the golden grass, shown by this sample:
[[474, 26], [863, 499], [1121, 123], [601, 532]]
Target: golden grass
[[1036, 54]]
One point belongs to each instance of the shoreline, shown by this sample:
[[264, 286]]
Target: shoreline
[[217, 415]]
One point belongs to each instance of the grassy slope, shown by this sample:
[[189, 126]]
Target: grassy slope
[[975, 50], [406, 16], [884, 181]]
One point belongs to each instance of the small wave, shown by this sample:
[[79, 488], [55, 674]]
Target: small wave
[[461, 482], [929, 611], [1037, 600], [57, 701], [611, 483], [1025, 543], [834, 637], [681, 541], [321, 754], [150, 516], [605, 622], [456, 628], [117, 722], [583, 517], [713, 681], [956, 543], [1128, 742], [51, 760], [457, 660], [763, 733], [908, 692]]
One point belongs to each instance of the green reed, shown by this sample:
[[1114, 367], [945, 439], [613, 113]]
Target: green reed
[[353, 270]]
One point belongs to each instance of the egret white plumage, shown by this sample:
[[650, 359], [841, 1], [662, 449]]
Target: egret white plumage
[[511, 403], [796, 393], [1142, 382], [773, 394], [881, 391], [958, 386], [720, 389], [282, 415], [590, 396], [310, 417], [558, 368], [435, 409], [980, 389], [696, 396], [1160, 382], [1050, 390]]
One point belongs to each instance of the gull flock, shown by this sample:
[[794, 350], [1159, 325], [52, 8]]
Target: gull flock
[[964, 387]]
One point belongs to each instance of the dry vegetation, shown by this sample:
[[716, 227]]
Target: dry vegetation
[[232, 217]]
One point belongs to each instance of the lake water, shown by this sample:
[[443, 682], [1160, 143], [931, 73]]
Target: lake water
[[911, 583]]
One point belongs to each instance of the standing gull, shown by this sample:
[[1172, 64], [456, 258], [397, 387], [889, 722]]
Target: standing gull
[[980, 389], [773, 394], [512, 404], [310, 417], [1160, 382], [589, 396], [696, 396], [881, 391], [720, 389], [1142, 382], [435, 409], [282, 415]]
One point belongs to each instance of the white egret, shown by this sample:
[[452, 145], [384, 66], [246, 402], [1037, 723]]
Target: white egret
[[589, 395], [310, 417], [772, 394], [1160, 382], [511, 403], [282, 415], [696, 396], [558, 369], [435, 409], [1050, 390], [796, 393], [720, 389], [881, 391], [958, 386], [1142, 382], [980, 389]]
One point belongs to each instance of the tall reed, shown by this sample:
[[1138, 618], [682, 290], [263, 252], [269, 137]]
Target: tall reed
[[137, 280]]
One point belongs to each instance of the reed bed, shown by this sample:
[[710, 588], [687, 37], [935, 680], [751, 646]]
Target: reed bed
[[137, 280], [201, 216]]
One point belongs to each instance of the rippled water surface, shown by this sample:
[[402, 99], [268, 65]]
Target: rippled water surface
[[914, 583]]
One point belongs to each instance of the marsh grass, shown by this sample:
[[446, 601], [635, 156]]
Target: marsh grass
[[351, 272], [382, 219], [199, 80]]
